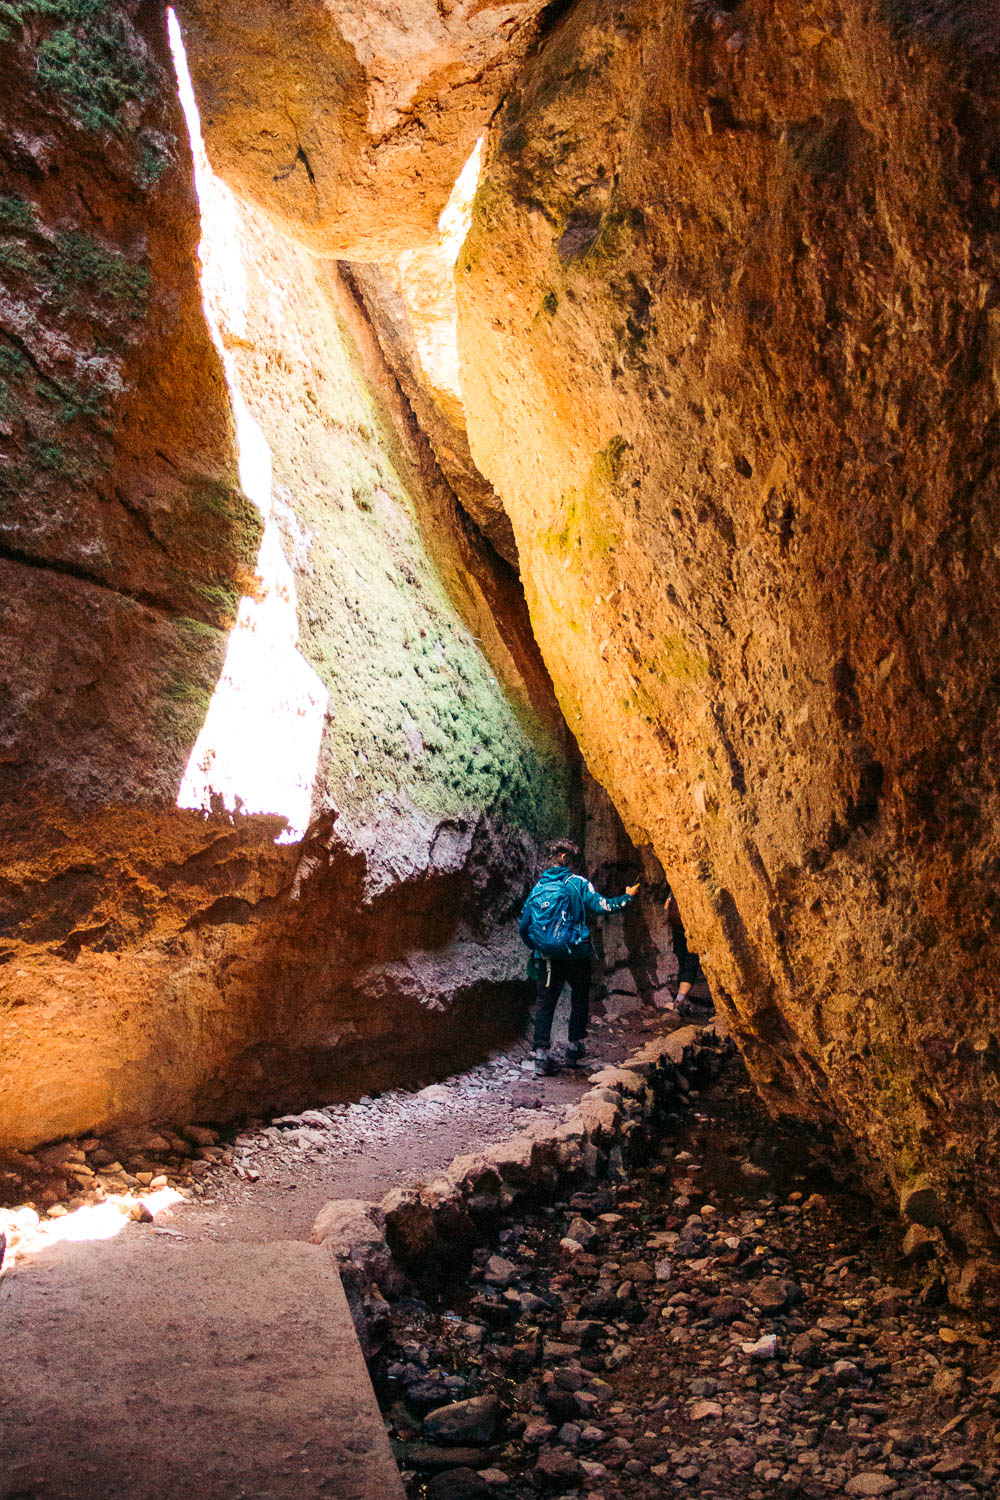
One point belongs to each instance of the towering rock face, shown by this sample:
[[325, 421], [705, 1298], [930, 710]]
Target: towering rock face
[[729, 323], [347, 121], [276, 745], [118, 480]]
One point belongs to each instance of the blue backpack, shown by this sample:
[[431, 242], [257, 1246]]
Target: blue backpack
[[553, 920]]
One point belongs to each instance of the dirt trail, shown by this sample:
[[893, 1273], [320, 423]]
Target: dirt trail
[[394, 1140]]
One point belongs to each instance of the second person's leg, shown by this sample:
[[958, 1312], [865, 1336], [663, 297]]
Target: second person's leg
[[579, 1014]]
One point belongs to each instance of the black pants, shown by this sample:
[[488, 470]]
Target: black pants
[[555, 973], [687, 962]]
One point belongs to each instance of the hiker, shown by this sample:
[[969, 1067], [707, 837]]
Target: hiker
[[687, 962], [554, 926]]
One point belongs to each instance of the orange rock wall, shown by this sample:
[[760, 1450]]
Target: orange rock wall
[[728, 317], [349, 122]]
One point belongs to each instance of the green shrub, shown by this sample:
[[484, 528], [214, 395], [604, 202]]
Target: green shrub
[[94, 70], [15, 257], [15, 212]]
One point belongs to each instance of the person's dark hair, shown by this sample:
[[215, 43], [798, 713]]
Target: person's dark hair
[[555, 847]]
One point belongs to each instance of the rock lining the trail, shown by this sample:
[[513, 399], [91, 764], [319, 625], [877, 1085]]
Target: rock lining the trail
[[416, 1232]]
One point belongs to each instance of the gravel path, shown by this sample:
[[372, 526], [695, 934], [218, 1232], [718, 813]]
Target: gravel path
[[199, 1348], [281, 1174]]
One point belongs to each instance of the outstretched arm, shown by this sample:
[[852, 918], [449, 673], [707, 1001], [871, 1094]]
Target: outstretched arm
[[602, 905]]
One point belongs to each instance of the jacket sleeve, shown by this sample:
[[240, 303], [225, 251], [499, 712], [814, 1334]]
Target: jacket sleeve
[[601, 905]]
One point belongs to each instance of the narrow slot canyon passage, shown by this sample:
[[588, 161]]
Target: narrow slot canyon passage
[[497, 506]]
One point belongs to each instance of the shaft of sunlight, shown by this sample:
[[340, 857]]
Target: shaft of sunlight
[[427, 283], [259, 745], [26, 1234]]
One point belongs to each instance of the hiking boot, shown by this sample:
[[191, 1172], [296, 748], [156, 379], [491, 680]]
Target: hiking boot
[[544, 1064], [575, 1052]]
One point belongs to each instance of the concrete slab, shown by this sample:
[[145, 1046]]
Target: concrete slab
[[148, 1366]]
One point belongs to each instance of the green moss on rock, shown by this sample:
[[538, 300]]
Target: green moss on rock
[[91, 58], [83, 267], [585, 534]]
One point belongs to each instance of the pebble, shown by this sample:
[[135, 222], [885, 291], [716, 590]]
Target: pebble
[[872, 1484], [499, 1272]]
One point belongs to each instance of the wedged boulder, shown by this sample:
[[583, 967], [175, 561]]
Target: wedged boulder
[[348, 122], [512, 1159]]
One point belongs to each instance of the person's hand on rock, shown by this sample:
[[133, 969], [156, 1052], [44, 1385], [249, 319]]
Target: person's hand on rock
[[632, 890]]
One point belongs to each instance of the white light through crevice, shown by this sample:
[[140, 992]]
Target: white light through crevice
[[259, 745], [426, 279]]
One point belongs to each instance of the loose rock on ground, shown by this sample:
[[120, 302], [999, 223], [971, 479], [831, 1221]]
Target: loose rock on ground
[[728, 1321]]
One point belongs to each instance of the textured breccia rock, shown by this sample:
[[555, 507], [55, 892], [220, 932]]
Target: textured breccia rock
[[276, 748], [349, 122], [115, 468], [729, 318]]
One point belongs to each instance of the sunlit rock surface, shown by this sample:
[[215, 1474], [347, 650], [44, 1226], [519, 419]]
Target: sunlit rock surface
[[276, 744], [349, 122], [728, 318]]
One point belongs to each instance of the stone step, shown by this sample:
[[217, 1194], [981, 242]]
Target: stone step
[[151, 1366]]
